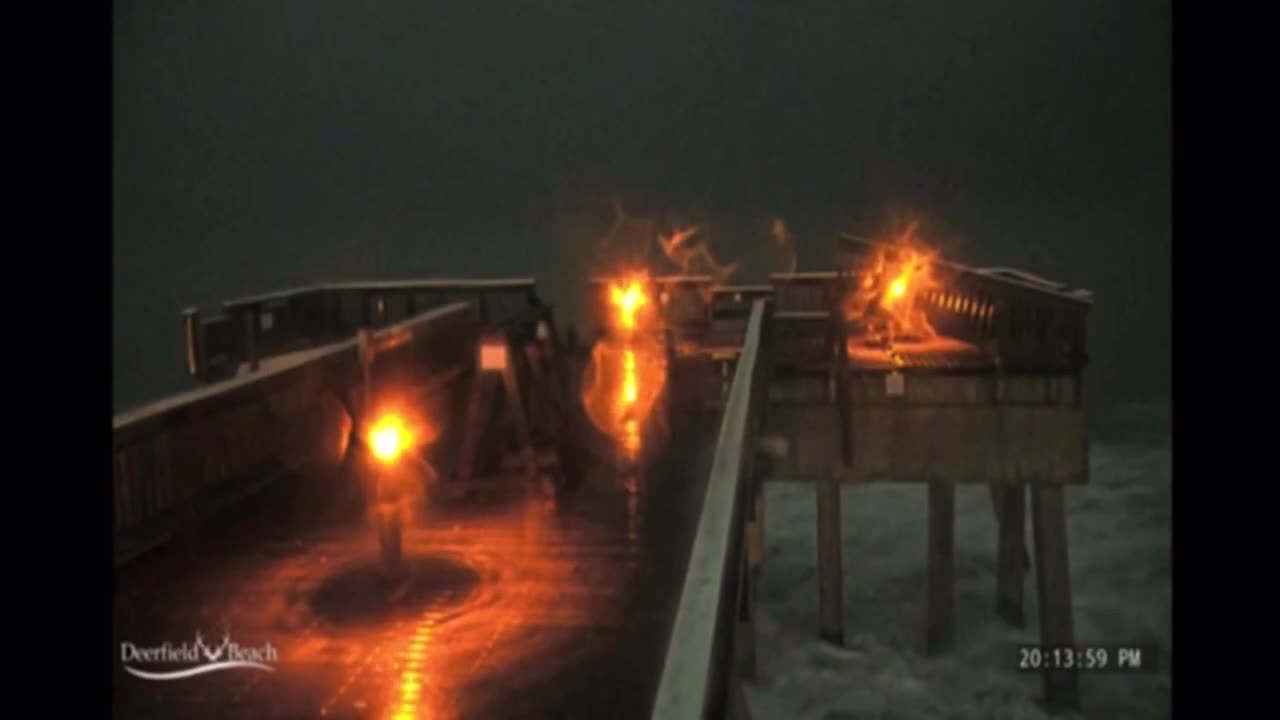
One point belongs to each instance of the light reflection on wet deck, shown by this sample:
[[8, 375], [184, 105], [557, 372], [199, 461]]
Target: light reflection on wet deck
[[516, 605]]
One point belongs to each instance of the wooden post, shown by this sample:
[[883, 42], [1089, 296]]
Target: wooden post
[[191, 336], [515, 406], [830, 561], [364, 348], [669, 384], [1053, 590], [746, 636], [561, 368], [353, 495], [366, 310], [939, 629], [547, 418], [389, 520], [479, 409], [1011, 552], [755, 528], [251, 337], [737, 703], [830, 564], [751, 581], [337, 317], [539, 423], [840, 336]]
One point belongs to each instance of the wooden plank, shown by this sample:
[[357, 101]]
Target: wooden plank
[[956, 428], [1012, 561], [830, 562], [969, 444], [940, 623], [1053, 591]]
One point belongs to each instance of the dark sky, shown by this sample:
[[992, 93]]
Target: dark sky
[[260, 145]]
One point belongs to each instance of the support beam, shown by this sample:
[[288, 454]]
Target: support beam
[[1053, 591], [389, 535], [746, 635], [940, 625], [738, 708], [251, 338], [515, 406], [839, 336], [541, 411], [478, 420], [1012, 561], [755, 529], [830, 563], [552, 408], [193, 344], [366, 310]]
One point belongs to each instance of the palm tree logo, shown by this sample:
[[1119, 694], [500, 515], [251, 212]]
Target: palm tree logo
[[212, 654]]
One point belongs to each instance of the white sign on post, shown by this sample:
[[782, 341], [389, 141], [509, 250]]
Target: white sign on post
[[895, 384]]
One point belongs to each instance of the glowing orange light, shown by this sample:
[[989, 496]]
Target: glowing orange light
[[389, 438], [896, 283], [628, 299], [898, 288], [622, 385]]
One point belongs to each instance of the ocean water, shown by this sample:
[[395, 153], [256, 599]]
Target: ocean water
[[1120, 555]]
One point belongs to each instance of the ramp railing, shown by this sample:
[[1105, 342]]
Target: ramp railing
[[246, 331], [177, 459], [1028, 322], [711, 648]]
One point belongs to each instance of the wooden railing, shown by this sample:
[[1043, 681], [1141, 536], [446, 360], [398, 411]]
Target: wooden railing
[[1025, 320], [177, 459], [248, 330], [711, 647]]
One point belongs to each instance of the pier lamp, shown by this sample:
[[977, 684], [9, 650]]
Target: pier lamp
[[389, 442]]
